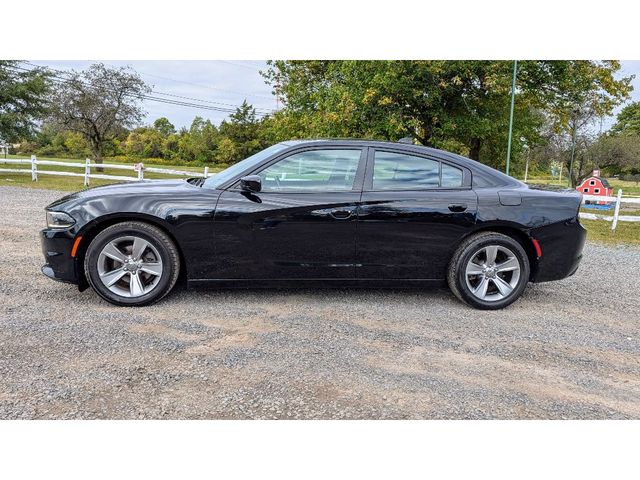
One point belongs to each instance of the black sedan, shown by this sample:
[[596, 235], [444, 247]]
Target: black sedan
[[337, 213]]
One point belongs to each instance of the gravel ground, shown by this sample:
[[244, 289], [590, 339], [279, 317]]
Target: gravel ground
[[569, 349]]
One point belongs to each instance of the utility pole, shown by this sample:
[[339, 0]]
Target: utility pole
[[513, 101], [276, 89], [526, 165], [574, 127]]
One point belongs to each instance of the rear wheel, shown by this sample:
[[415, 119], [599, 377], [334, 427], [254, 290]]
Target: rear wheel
[[132, 263], [489, 271]]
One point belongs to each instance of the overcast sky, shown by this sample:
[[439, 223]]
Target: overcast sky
[[219, 83], [224, 84]]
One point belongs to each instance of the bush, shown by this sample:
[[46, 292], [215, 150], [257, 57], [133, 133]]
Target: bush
[[631, 178]]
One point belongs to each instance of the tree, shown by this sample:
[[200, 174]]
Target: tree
[[164, 126], [99, 103], [461, 105], [560, 86], [227, 151], [243, 130], [75, 144], [145, 142], [23, 100], [199, 142], [580, 140], [617, 153], [628, 120]]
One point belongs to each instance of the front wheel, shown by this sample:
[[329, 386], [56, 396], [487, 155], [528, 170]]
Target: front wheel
[[489, 271], [132, 264]]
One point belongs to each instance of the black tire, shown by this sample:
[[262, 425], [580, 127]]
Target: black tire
[[457, 277], [159, 240]]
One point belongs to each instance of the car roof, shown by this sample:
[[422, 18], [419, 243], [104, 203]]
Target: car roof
[[367, 143]]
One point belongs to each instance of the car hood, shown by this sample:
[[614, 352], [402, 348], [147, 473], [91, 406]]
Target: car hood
[[146, 187]]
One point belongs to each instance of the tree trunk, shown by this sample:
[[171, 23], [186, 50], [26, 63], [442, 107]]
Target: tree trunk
[[474, 149], [424, 133], [97, 157]]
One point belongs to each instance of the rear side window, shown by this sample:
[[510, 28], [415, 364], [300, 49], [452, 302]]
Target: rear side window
[[451, 176], [399, 171]]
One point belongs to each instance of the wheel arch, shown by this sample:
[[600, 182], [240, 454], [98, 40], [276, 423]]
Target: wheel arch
[[521, 235], [93, 228]]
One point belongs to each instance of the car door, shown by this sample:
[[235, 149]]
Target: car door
[[414, 211], [301, 225]]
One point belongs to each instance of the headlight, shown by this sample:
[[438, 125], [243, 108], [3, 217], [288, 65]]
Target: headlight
[[59, 220]]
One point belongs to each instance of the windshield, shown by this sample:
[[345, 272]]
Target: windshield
[[224, 176]]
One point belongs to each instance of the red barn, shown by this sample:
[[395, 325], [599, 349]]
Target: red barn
[[594, 185]]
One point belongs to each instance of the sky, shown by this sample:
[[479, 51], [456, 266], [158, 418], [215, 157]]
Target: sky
[[629, 67], [219, 83], [228, 82]]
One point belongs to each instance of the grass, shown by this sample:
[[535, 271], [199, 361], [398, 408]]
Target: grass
[[600, 231], [56, 182]]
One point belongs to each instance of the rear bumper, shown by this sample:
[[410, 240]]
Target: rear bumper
[[561, 244], [56, 248]]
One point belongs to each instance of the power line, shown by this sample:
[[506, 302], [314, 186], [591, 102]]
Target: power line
[[265, 110], [241, 64], [59, 80], [255, 95], [168, 101], [258, 109]]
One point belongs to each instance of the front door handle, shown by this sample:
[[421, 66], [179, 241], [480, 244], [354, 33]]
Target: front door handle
[[457, 207], [341, 213]]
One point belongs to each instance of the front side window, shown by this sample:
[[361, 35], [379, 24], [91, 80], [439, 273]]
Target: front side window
[[312, 171], [399, 171], [219, 179]]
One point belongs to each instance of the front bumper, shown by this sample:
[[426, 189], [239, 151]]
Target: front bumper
[[56, 248], [561, 244]]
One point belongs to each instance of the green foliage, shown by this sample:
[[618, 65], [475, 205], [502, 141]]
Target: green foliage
[[227, 151], [145, 143], [559, 87], [23, 100], [243, 131], [616, 153], [199, 142], [628, 120], [53, 141], [164, 126], [463, 104]]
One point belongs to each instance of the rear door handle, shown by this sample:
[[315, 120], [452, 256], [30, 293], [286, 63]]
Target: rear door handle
[[457, 207], [341, 213]]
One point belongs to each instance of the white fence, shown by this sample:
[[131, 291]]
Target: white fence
[[139, 169], [616, 217]]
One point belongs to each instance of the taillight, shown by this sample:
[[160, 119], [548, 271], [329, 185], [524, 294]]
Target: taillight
[[536, 245]]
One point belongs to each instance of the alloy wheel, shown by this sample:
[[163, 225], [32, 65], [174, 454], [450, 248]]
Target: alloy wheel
[[129, 266], [492, 273]]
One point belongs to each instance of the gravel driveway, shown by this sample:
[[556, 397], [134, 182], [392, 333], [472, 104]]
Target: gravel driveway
[[569, 349]]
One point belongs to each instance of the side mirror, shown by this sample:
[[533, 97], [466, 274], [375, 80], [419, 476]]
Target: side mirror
[[251, 183]]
